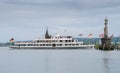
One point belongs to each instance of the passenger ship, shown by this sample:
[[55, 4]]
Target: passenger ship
[[57, 42]]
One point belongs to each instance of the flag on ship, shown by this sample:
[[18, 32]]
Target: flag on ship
[[80, 35], [12, 40], [111, 36], [90, 35], [101, 35]]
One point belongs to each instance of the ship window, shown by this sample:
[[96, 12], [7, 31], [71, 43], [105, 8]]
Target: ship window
[[22, 45], [66, 41], [35, 41], [53, 45], [66, 44], [68, 36], [38, 41], [47, 44], [47, 41], [72, 40], [53, 41], [77, 44], [60, 44], [43, 44], [60, 40], [73, 44], [43, 41]]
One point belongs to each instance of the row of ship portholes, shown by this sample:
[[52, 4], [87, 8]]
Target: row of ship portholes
[[55, 41], [53, 45]]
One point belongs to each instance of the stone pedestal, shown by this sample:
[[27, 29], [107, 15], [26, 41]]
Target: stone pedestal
[[106, 44]]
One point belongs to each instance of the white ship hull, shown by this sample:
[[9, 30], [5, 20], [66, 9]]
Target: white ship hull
[[57, 47]]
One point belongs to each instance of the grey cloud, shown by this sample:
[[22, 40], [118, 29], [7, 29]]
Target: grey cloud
[[83, 15]]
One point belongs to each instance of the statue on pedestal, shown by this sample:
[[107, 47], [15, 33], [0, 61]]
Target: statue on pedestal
[[106, 41]]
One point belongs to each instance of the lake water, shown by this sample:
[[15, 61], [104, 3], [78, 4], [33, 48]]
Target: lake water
[[59, 61]]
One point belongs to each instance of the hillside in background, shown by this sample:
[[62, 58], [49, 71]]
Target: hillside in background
[[115, 40]]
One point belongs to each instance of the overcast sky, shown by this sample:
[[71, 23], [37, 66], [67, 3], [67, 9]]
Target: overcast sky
[[27, 19]]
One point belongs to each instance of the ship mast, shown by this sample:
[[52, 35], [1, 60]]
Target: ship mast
[[47, 36]]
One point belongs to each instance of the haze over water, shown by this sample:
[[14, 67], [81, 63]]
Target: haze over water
[[59, 61]]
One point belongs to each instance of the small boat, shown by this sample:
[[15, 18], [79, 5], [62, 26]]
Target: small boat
[[49, 42]]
